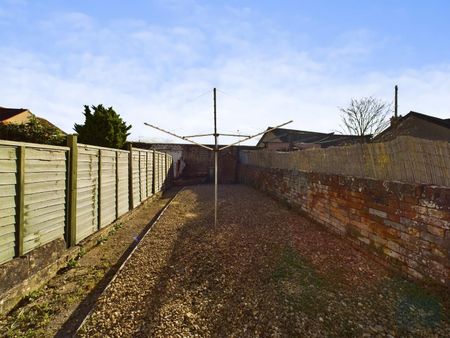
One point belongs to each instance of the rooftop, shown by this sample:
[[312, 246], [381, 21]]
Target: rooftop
[[6, 113], [302, 136]]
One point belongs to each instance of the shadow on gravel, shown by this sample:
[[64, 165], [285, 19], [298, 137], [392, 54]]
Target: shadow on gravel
[[218, 280], [246, 277], [74, 321]]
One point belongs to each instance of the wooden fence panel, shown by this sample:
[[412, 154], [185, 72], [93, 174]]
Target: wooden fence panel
[[150, 173], [143, 175], [87, 192], [8, 181], [169, 169], [107, 187], [122, 183], [34, 194], [44, 197], [161, 167], [136, 178], [156, 173], [164, 166]]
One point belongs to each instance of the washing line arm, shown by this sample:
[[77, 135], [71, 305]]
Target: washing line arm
[[253, 136], [218, 134], [235, 135], [184, 138], [200, 135]]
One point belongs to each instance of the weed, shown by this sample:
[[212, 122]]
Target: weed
[[114, 229], [72, 299], [32, 321], [32, 296], [90, 284], [292, 265], [81, 253], [298, 282], [112, 232], [72, 263], [416, 305], [352, 232], [101, 240]]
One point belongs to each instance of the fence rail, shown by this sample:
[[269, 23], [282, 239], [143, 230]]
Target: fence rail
[[405, 159], [50, 192]]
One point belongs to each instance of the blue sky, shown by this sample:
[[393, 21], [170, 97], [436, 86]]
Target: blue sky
[[271, 61]]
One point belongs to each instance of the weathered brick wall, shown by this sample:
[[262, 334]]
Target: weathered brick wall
[[406, 225]]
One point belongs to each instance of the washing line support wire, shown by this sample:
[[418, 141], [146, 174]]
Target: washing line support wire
[[232, 96], [197, 97]]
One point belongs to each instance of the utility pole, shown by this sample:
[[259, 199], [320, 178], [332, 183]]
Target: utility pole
[[216, 148]]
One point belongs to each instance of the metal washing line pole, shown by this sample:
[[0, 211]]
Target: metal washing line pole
[[216, 148]]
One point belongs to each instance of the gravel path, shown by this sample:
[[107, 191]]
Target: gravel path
[[58, 308], [264, 271]]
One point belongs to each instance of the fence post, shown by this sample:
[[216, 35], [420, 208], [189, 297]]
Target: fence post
[[117, 184], [140, 176], [20, 206], [72, 169], [153, 172], [99, 225], [170, 169], [130, 177], [146, 173], [166, 169]]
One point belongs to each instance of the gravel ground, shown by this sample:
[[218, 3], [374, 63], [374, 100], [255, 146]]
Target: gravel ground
[[59, 307], [263, 271]]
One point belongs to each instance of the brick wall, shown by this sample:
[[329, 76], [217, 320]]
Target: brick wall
[[407, 225]]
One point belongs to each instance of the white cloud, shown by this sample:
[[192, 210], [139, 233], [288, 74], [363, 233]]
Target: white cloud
[[151, 73]]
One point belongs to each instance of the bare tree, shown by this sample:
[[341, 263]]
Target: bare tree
[[365, 116]]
